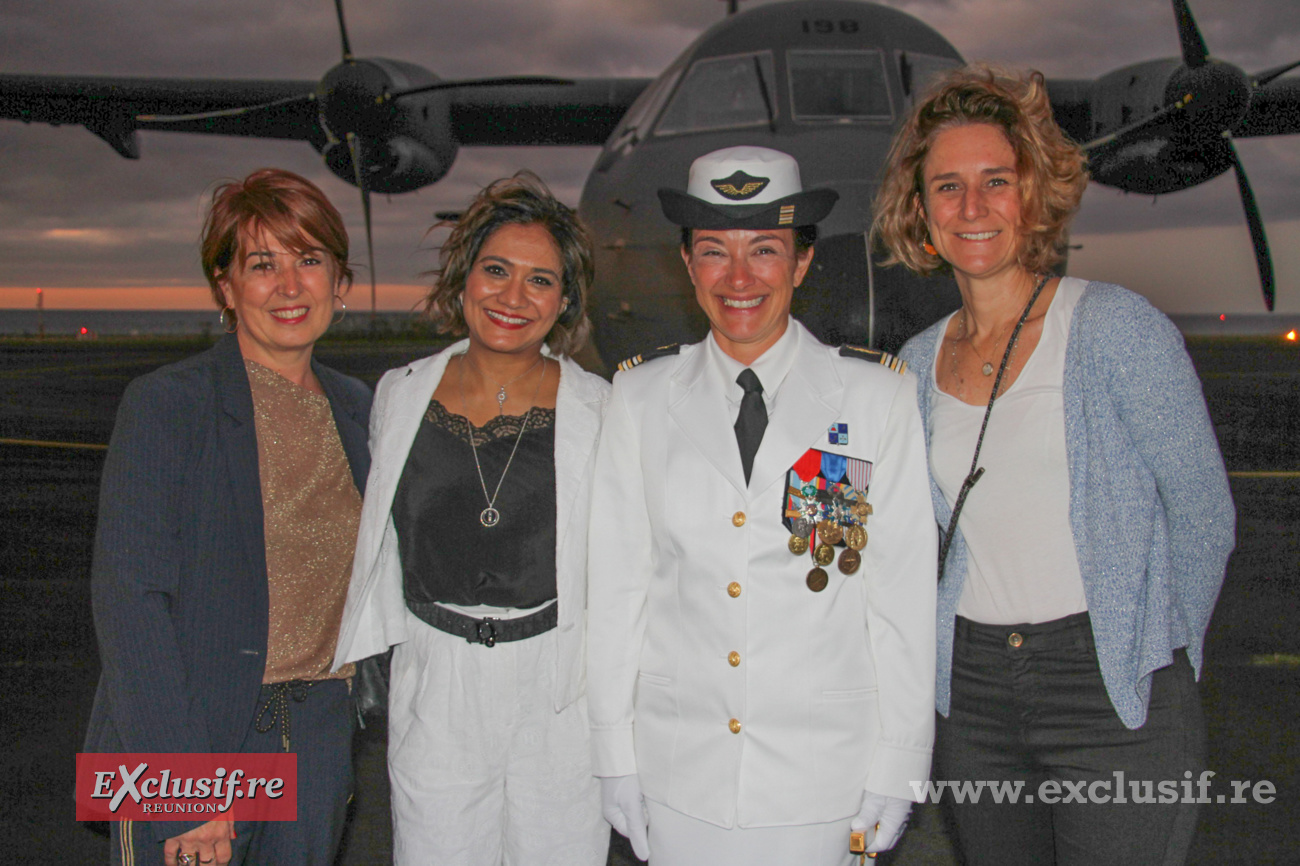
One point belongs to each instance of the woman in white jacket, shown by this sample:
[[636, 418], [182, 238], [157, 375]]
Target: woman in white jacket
[[471, 557]]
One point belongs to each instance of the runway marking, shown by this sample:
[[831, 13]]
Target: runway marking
[[43, 664], [1276, 660], [43, 443], [22, 372], [1264, 474]]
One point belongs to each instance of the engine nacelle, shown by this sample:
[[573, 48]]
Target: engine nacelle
[[399, 164], [405, 142], [1182, 149]]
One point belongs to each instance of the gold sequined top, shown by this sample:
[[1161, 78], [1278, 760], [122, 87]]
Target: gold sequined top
[[311, 512]]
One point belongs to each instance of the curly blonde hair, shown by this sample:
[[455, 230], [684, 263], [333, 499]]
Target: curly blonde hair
[[522, 199], [1052, 168]]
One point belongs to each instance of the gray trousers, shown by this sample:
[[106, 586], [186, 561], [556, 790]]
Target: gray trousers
[[1029, 706]]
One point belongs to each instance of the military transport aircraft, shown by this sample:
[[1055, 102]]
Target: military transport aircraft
[[825, 80]]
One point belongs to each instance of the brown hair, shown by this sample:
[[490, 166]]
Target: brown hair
[[1051, 167], [286, 206], [519, 200]]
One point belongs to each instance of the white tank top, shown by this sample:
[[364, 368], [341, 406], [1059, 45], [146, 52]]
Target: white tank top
[[1021, 564]]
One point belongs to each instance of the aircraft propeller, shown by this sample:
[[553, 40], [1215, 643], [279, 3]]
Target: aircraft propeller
[[356, 143], [355, 106], [1205, 100]]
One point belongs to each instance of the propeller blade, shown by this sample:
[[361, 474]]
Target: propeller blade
[[355, 151], [514, 81], [1263, 78], [343, 31], [1258, 239], [224, 112], [1195, 52]]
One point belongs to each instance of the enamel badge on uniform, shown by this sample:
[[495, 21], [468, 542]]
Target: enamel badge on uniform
[[838, 434]]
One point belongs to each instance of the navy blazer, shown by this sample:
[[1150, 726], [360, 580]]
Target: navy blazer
[[179, 585]]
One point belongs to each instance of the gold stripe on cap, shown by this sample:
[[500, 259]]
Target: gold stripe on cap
[[787, 215]]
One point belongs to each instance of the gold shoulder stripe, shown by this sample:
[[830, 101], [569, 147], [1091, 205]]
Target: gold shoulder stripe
[[636, 360], [874, 356]]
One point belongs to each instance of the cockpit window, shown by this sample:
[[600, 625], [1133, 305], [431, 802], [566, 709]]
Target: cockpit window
[[838, 85], [722, 93], [635, 124]]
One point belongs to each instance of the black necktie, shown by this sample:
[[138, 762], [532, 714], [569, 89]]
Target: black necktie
[[752, 420]]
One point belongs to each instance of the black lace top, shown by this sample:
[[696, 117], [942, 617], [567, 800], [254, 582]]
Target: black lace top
[[447, 554]]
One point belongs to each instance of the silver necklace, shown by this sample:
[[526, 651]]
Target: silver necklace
[[987, 369], [489, 516], [501, 389]]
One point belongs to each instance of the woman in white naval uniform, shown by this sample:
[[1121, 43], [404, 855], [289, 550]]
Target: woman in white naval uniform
[[766, 689], [472, 550]]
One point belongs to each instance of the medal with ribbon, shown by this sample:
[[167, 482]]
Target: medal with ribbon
[[825, 505]]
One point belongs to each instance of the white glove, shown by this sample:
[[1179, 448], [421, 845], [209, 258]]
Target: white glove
[[890, 813], [624, 808]]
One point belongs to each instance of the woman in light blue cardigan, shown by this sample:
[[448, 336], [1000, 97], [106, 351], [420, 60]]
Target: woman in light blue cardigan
[[1084, 565]]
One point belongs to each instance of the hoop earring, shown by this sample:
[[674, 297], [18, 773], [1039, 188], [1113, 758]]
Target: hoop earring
[[225, 325], [341, 313]]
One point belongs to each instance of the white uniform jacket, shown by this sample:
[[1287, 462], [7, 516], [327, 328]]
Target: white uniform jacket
[[375, 615], [739, 696]]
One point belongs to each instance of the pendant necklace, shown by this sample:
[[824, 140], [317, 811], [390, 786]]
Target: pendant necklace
[[489, 516], [987, 369], [501, 389]]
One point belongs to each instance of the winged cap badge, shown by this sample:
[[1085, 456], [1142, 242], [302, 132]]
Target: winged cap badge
[[739, 186]]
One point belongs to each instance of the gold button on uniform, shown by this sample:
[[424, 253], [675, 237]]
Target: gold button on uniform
[[734, 725], [1015, 639], [738, 519], [733, 589], [733, 659]]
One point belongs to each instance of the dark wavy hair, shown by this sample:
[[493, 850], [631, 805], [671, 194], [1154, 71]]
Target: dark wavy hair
[[287, 206], [1051, 168], [522, 199]]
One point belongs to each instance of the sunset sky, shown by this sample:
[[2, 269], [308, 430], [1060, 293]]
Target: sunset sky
[[97, 231]]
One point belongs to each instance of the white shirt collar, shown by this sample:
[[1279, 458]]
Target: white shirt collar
[[771, 367]]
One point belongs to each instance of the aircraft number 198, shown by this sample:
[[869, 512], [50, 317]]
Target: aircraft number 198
[[822, 25]]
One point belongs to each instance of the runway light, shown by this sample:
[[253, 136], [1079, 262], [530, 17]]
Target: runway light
[[1222, 318], [1290, 335]]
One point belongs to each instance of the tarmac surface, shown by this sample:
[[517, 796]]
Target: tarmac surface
[[66, 392]]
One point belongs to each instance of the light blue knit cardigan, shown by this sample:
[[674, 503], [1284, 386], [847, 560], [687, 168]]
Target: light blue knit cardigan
[[1150, 509]]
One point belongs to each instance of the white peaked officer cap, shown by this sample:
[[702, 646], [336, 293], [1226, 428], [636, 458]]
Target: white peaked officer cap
[[746, 188]]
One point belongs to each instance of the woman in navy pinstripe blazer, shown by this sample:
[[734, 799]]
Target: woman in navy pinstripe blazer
[[206, 573]]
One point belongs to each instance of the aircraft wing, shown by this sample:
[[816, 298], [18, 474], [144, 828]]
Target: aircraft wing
[[1072, 105], [584, 112], [1274, 110], [113, 108]]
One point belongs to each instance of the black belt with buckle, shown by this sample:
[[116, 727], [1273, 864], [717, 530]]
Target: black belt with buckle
[[489, 630]]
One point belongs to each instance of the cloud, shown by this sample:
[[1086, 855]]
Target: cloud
[[139, 220]]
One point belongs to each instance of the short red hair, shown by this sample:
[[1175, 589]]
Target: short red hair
[[286, 206]]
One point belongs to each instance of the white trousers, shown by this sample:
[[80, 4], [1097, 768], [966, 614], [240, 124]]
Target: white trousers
[[677, 839], [484, 772]]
